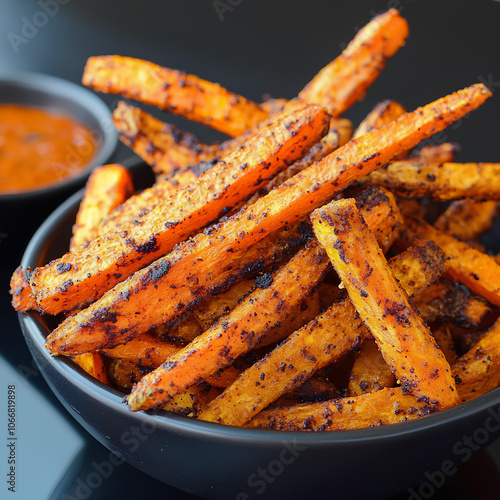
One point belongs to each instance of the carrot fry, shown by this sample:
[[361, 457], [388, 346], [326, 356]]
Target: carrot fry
[[171, 90], [440, 181], [225, 341], [213, 256], [22, 295], [468, 219], [465, 264], [440, 153], [107, 187], [124, 374], [318, 344], [144, 350], [161, 145], [444, 340], [403, 338], [378, 203], [345, 80], [384, 407], [451, 303], [369, 372], [93, 364], [478, 371], [383, 113], [192, 400], [87, 273]]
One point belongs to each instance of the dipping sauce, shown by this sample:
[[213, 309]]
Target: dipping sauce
[[40, 147]]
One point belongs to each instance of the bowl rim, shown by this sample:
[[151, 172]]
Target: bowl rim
[[84, 98], [33, 325]]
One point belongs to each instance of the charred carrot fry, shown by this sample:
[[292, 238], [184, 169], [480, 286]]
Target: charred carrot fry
[[107, 187], [22, 295], [444, 340], [377, 203], [161, 145], [468, 219], [383, 113], [318, 344], [440, 181], [93, 364], [192, 400], [171, 90], [384, 407], [478, 371], [213, 256], [451, 303], [465, 264], [145, 350], [403, 338], [87, 273], [440, 153], [345, 80], [370, 372]]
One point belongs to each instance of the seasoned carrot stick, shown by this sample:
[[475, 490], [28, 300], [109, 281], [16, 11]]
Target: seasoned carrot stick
[[465, 264], [440, 153], [161, 145], [345, 80], [478, 371], [454, 303], [384, 407], [107, 187], [171, 90], [370, 372], [468, 219], [316, 345], [383, 113], [87, 273], [212, 257], [22, 296], [440, 181], [403, 338]]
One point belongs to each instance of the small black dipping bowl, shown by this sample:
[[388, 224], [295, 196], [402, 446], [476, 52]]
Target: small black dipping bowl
[[60, 96]]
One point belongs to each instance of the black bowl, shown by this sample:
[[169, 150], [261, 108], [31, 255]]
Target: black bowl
[[216, 461], [62, 96]]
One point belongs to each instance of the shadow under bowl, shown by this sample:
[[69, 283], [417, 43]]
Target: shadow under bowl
[[219, 462]]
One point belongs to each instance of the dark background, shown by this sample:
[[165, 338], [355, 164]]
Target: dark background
[[257, 48]]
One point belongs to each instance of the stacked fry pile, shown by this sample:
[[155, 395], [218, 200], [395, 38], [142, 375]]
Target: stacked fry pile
[[288, 278]]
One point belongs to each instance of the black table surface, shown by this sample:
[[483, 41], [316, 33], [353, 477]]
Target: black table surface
[[254, 48]]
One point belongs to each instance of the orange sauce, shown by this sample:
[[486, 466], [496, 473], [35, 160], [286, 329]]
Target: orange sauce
[[39, 147]]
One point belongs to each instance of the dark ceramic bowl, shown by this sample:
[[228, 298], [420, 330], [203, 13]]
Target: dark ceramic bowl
[[219, 462], [62, 96]]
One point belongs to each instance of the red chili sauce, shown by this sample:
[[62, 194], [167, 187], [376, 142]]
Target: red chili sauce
[[39, 147]]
